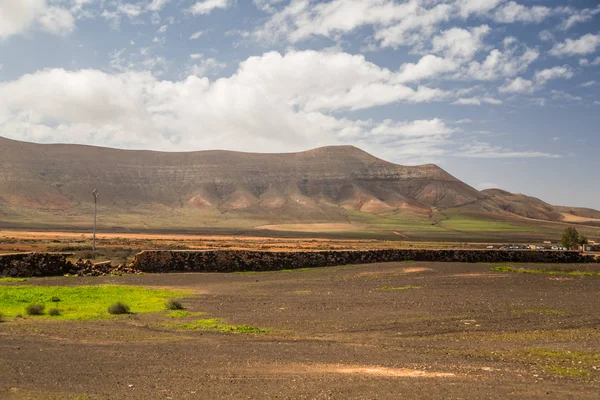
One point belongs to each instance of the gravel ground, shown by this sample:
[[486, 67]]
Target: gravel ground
[[380, 331]]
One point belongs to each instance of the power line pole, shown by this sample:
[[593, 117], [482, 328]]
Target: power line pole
[[95, 194]]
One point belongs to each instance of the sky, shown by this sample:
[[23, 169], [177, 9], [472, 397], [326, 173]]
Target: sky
[[500, 93]]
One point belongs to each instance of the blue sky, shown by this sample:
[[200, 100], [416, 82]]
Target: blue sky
[[499, 93]]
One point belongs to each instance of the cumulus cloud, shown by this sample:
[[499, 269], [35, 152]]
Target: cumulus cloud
[[561, 72], [513, 12], [518, 85], [266, 5], [19, 16], [208, 6], [427, 67], [157, 5], [395, 23], [502, 63], [578, 17], [487, 150], [272, 102], [477, 101], [460, 43], [196, 35], [586, 44]]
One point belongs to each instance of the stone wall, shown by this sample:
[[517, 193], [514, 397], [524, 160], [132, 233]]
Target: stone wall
[[34, 264], [55, 264], [244, 260]]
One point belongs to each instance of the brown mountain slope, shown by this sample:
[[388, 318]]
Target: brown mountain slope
[[47, 185], [532, 207], [62, 176]]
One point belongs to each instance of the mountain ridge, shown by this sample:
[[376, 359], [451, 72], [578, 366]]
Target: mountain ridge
[[53, 182]]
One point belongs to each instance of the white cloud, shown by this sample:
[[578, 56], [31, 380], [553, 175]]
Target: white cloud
[[428, 66], [205, 67], [130, 10], [19, 16], [157, 5], [518, 85], [588, 84], [486, 150], [578, 17], [197, 35], [476, 7], [208, 6], [586, 44], [560, 95], [499, 64], [266, 5], [546, 36], [477, 101], [561, 72], [273, 102], [513, 12], [411, 129], [460, 43]]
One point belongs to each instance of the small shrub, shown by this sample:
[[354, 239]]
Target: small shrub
[[1, 317], [118, 308], [35, 309], [19, 316], [53, 312], [55, 299], [174, 304]]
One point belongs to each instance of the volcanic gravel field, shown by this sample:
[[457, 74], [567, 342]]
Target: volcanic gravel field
[[380, 331]]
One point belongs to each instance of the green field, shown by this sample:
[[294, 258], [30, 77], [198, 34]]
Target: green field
[[82, 302]]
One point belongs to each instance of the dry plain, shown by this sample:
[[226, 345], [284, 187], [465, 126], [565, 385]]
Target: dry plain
[[385, 331]]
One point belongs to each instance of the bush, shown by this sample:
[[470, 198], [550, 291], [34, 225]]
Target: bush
[[35, 309], [174, 304], [118, 308], [55, 299], [1, 317], [54, 312]]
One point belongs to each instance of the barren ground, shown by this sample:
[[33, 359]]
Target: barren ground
[[385, 331]]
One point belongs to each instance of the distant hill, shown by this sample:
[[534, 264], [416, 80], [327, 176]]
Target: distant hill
[[338, 188]]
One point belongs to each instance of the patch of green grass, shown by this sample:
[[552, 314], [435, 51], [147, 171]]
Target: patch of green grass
[[216, 324], [182, 314], [296, 269], [84, 302], [549, 312], [400, 288], [521, 270], [8, 280], [566, 372]]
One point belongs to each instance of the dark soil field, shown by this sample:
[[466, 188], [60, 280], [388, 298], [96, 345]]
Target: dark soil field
[[381, 331]]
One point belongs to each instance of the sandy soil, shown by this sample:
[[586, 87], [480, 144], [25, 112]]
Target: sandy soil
[[462, 332], [575, 218]]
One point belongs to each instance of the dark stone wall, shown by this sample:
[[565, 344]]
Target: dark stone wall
[[34, 264], [54, 264], [245, 260]]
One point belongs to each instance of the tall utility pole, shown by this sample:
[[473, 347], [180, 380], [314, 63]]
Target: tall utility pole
[[95, 194]]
